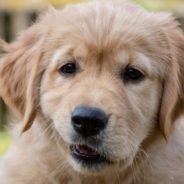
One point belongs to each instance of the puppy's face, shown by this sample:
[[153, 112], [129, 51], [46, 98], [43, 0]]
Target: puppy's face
[[101, 76], [102, 91], [102, 104]]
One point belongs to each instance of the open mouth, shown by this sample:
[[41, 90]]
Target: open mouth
[[87, 155]]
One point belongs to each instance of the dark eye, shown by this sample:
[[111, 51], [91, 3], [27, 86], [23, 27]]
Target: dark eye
[[69, 68], [132, 74]]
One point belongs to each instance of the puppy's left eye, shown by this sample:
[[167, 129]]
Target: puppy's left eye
[[68, 69], [132, 74]]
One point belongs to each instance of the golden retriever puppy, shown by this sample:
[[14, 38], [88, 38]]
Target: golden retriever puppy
[[100, 91]]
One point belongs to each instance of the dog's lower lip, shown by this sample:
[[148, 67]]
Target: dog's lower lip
[[86, 154], [84, 150]]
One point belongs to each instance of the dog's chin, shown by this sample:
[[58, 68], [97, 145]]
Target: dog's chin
[[86, 160]]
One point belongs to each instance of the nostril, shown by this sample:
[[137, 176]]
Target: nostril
[[77, 122], [88, 121]]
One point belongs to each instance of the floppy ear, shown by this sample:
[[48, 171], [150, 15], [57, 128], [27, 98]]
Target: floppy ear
[[172, 106], [20, 75]]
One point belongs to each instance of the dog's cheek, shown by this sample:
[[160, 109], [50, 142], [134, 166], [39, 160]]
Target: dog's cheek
[[120, 140], [145, 105], [49, 102], [134, 122], [51, 94], [53, 108], [56, 105]]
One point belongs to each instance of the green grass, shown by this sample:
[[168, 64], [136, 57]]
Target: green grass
[[5, 142]]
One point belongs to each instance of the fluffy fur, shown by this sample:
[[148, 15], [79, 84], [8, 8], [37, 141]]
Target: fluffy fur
[[144, 135]]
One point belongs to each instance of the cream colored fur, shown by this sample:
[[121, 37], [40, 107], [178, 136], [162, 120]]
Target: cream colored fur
[[145, 133]]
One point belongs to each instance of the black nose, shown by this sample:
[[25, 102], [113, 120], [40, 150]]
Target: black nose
[[88, 121]]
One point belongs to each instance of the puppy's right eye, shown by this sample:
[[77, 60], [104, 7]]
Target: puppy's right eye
[[68, 69], [132, 74]]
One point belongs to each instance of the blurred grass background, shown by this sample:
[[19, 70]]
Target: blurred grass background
[[16, 15], [5, 142]]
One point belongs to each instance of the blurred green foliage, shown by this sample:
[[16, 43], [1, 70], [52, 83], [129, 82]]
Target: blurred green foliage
[[5, 142], [160, 4], [149, 4]]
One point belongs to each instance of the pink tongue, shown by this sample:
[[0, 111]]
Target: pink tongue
[[86, 150]]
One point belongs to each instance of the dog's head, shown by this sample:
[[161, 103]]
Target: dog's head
[[105, 75]]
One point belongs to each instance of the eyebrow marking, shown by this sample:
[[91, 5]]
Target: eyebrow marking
[[56, 55], [143, 61]]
